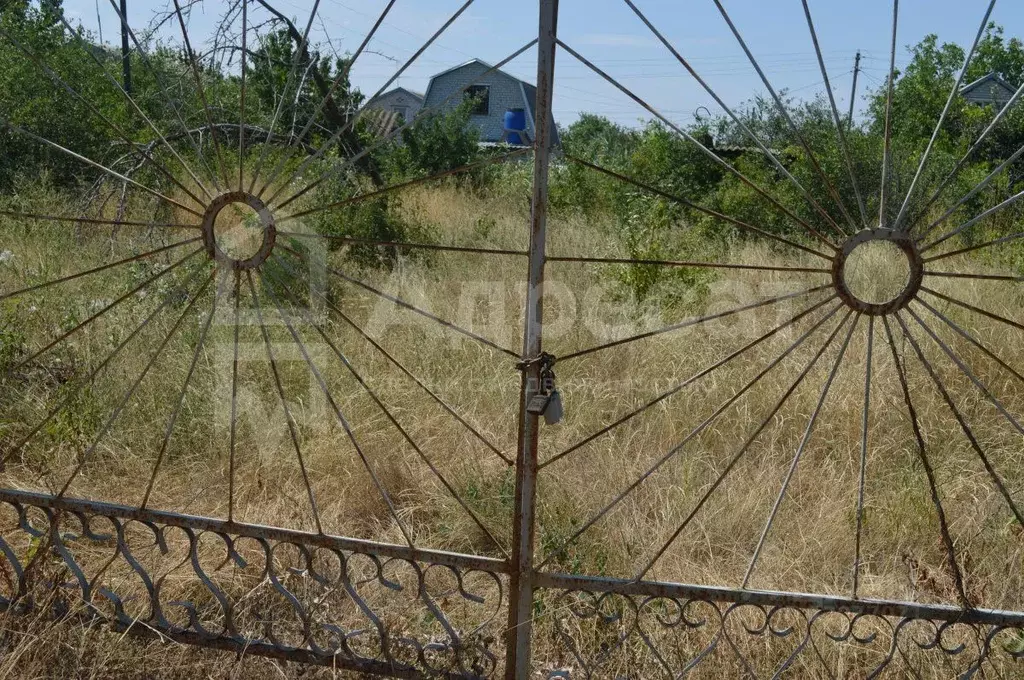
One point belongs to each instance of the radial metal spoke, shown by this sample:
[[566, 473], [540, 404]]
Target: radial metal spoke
[[971, 339], [963, 162], [165, 89], [88, 49], [348, 126], [728, 167], [281, 395], [89, 220], [191, 56], [976, 310], [116, 413], [736, 119], [883, 218], [978, 277], [401, 367], [970, 223], [829, 186], [863, 455], [683, 263], [980, 246], [116, 129], [292, 74], [241, 117], [334, 406], [96, 270], [693, 433], [996, 479], [695, 322], [947, 539], [169, 431], [743, 449], [945, 111], [342, 75], [799, 452], [233, 427], [4, 123], [402, 244], [840, 126], [405, 305], [96, 371], [686, 383], [967, 372], [406, 185], [422, 114], [694, 206], [385, 410], [107, 308]]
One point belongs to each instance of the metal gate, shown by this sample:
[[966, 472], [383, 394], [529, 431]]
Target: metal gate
[[519, 607]]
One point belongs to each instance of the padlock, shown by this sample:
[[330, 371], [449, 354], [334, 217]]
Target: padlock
[[553, 412], [538, 404]]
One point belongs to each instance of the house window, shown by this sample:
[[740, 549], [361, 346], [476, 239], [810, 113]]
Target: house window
[[481, 96], [402, 111]]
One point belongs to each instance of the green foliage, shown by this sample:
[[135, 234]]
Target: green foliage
[[434, 144]]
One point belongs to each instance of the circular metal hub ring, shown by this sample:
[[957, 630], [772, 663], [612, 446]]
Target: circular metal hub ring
[[906, 244], [266, 221]]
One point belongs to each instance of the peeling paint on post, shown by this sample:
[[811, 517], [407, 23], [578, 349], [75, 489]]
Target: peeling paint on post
[[520, 628]]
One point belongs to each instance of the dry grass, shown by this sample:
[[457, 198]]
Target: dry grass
[[810, 547]]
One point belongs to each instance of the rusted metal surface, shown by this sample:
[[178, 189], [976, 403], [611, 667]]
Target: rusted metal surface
[[521, 587], [279, 593], [400, 610]]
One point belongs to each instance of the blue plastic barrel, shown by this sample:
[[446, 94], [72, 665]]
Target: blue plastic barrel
[[515, 122]]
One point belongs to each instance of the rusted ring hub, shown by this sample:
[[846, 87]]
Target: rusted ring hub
[[916, 265], [266, 222]]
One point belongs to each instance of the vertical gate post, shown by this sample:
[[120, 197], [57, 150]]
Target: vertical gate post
[[520, 625]]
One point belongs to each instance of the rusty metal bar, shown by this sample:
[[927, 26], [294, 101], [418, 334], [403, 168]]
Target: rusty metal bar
[[824, 603], [940, 512], [96, 221], [696, 321], [521, 578], [883, 202], [169, 430], [808, 433], [104, 267], [694, 206], [863, 454], [193, 62], [728, 167], [954, 91], [325, 299], [403, 244], [405, 305], [406, 185], [694, 265], [5, 123], [199, 523]]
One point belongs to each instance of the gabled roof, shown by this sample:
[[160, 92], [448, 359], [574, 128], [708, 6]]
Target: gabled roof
[[415, 95], [529, 91], [990, 79], [481, 62]]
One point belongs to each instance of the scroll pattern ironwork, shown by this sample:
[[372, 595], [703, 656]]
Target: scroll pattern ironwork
[[307, 597], [604, 635]]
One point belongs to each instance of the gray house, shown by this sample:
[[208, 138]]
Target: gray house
[[990, 90], [400, 101], [495, 94]]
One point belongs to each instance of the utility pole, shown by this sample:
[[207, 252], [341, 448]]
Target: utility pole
[[853, 94], [126, 62]]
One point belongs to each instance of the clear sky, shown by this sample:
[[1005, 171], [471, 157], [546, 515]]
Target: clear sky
[[609, 34]]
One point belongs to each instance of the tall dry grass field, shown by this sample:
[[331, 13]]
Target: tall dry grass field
[[811, 543]]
